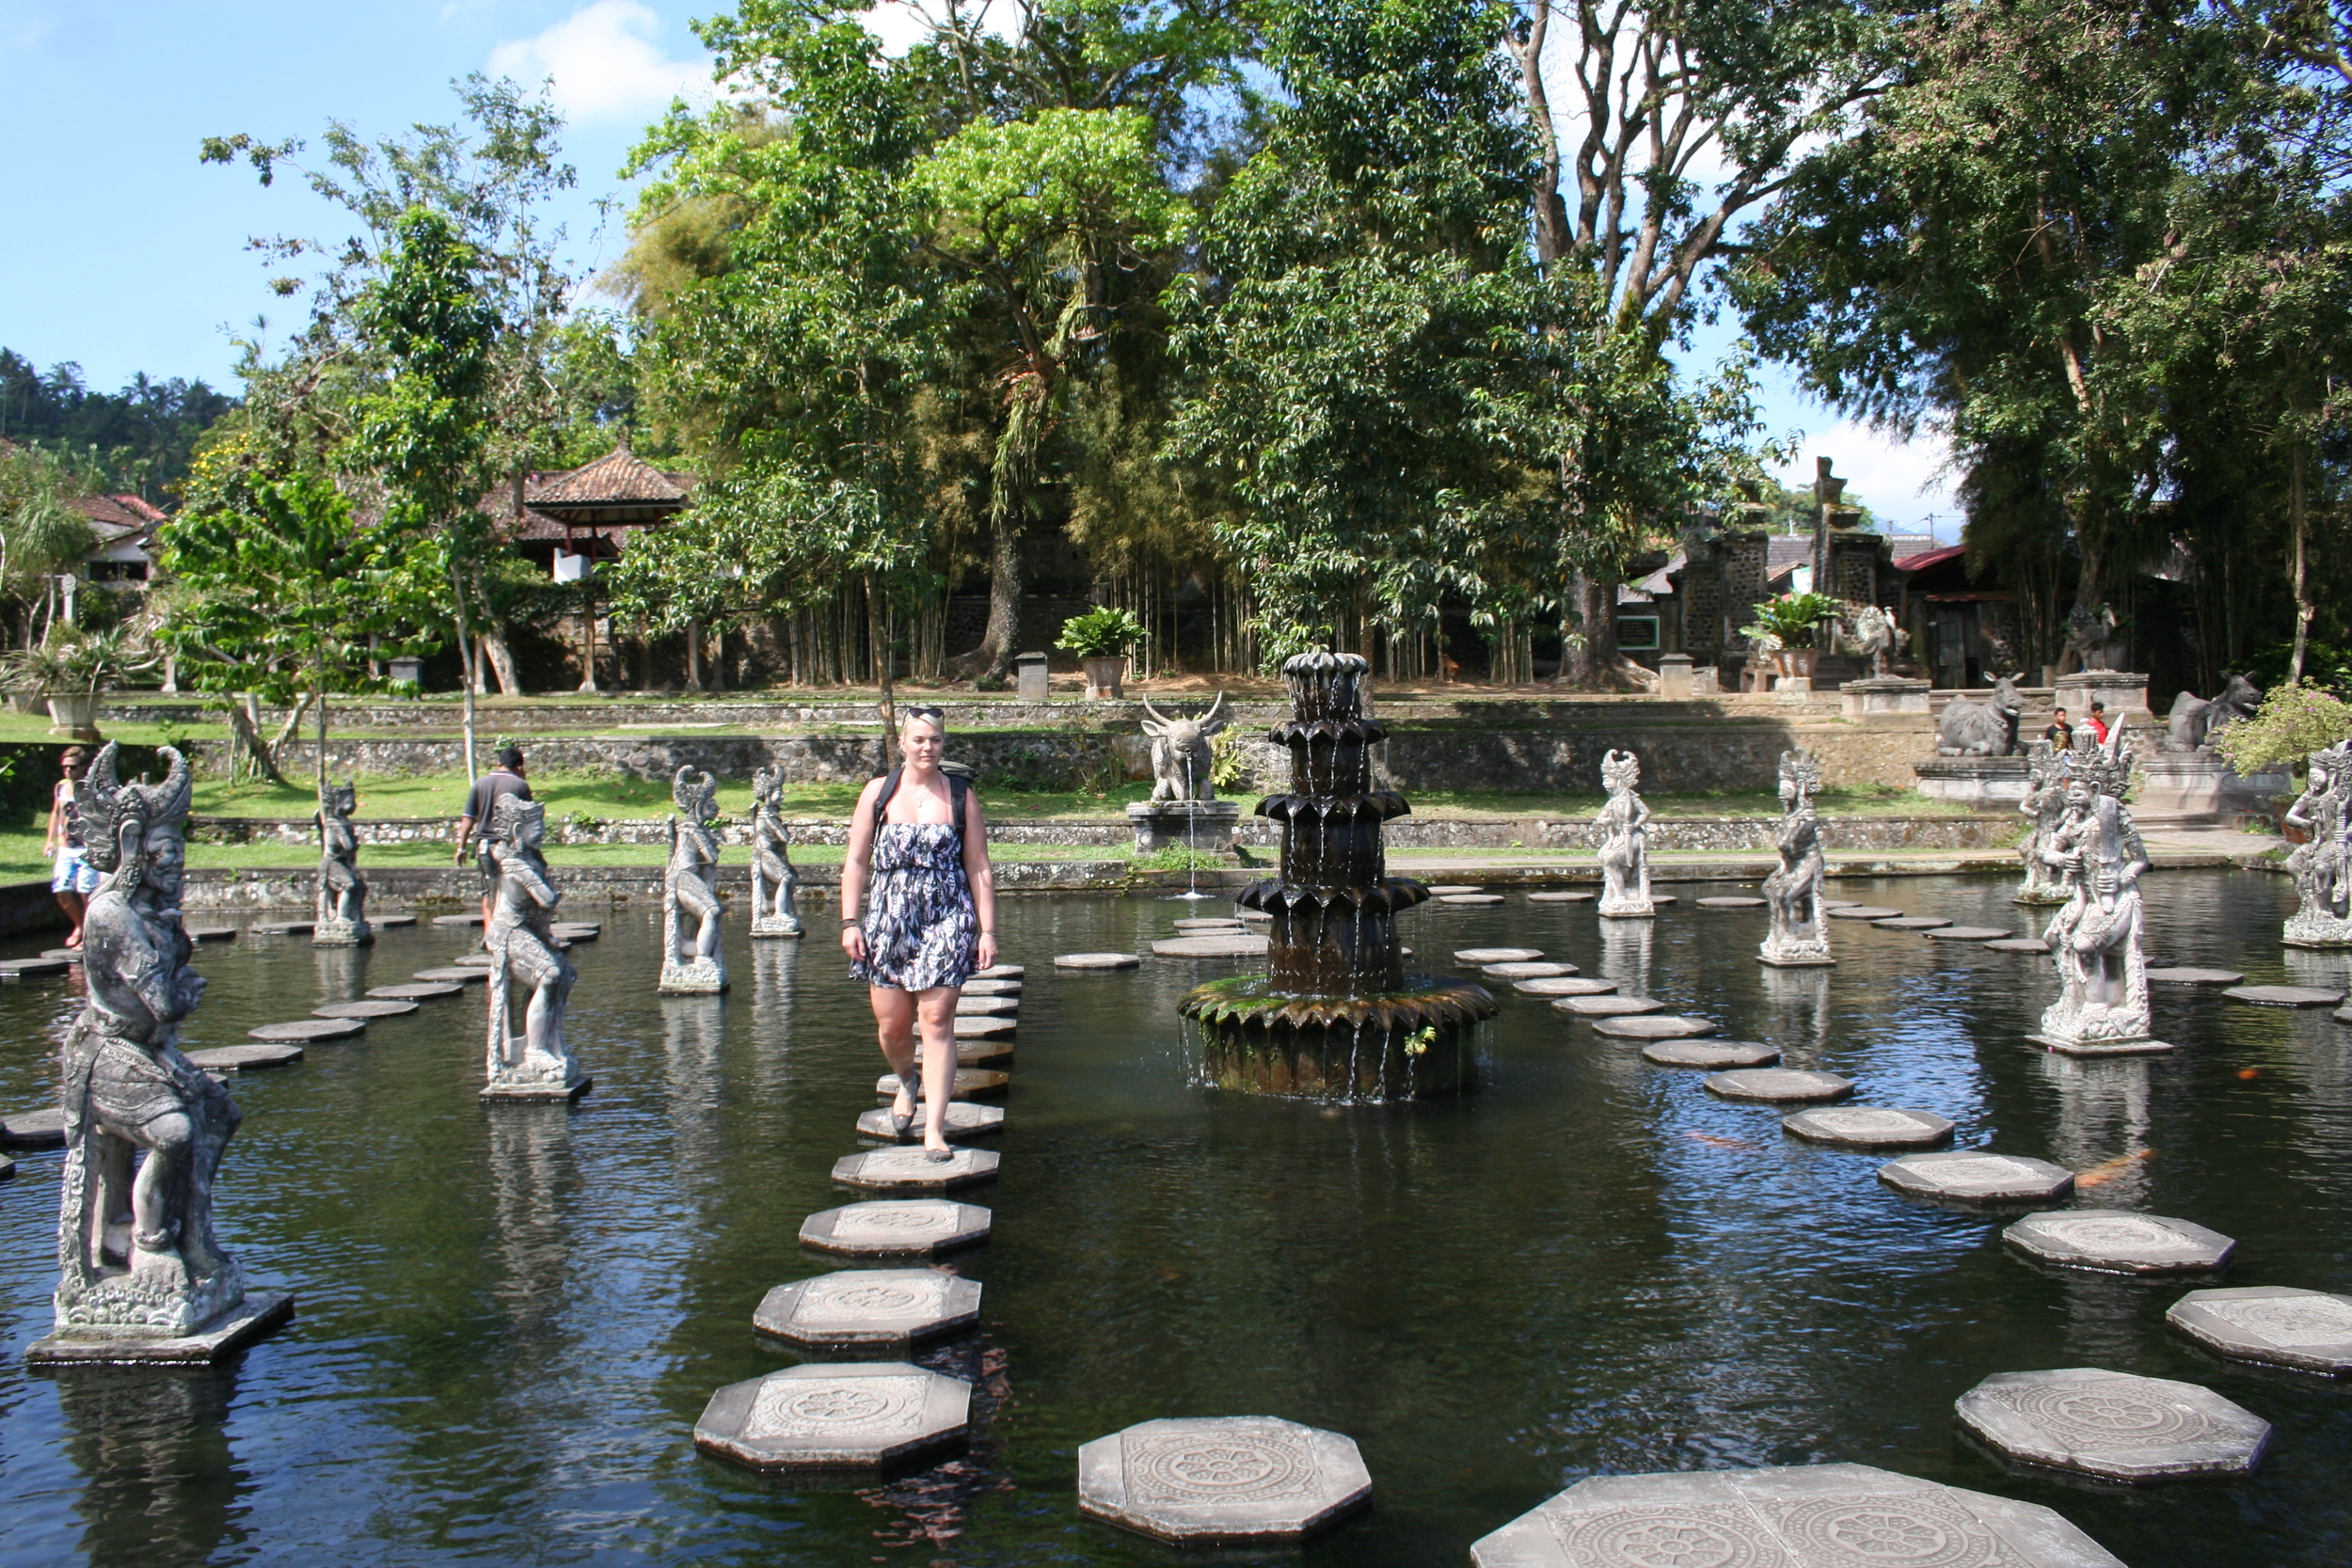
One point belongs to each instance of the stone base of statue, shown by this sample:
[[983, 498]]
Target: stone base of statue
[[1889, 699], [254, 1314], [1795, 953], [1207, 826], [2093, 1029], [2184, 788], [341, 933], [2040, 894], [692, 977], [2317, 930], [775, 925], [1978, 784], [526, 1081], [1632, 906]]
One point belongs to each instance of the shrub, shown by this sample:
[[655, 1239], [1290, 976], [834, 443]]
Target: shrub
[[1791, 621], [2292, 723], [1100, 632]]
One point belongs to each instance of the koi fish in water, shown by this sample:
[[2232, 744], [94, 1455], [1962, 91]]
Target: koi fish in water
[[2099, 1175], [1711, 1141]]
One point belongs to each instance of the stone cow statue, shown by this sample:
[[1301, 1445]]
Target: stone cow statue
[[1986, 729], [1180, 752], [2195, 720]]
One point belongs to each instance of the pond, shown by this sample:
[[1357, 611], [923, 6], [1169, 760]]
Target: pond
[[509, 1320]]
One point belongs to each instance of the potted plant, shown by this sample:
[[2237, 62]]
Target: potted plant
[[75, 668], [1100, 638], [1787, 628]]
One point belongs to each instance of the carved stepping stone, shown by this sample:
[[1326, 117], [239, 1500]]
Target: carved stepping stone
[[452, 975], [20, 969], [2307, 1330], [987, 1006], [1793, 1517], [1236, 1477], [1565, 984], [1527, 970], [1470, 900], [423, 991], [855, 1415], [1714, 1055], [1777, 1085], [895, 1228], [1483, 955], [1599, 1005], [575, 933], [1860, 912], [1916, 923], [310, 1030], [2182, 974], [2117, 1241], [283, 927], [969, 1085], [458, 919], [1731, 901], [1448, 889], [1966, 933], [62, 954], [210, 933], [2017, 944], [40, 1128], [971, 1027], [382, 1006], [2284, 996], [1868, 1128], [1096, 960], [478, 960], [1665, 1026], [392, 921], [1208, 923], [999, 972], [1241, 945], [1976, 1175], [2113, 1425], [992, 987], [868, 1306], [245, 1058], [912, 1170], [964, 1120], [1569, 895]]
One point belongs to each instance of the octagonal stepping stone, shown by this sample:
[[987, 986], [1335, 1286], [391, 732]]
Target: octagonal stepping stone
[[1568, 896], [283, 927], [853, 1416], [1869, 1128], [1526, 970], [453, 975], [1096, 960], [1483, 955], [1470, 901], [210, 933], [310, 1030], [897, 1228], [392, 921], [1731, 901], [1253, 917], [970, 1084], [999, 972], [1565, 984], [43, 1128], [2307, 1330], [2114, 1425], [1447, 889], [868, 1306], [2117, 1241], [1599, 1005], [1207, 923], [1967, 933], [2185, 974], [1663, 1026], [1200, 1480], [1714, 1055], [1241, 945], [380, 1006], [965, 1120], [2018, 944], [31, 968], [971, 1026], [992, 987], [1793, 1516], [912, 1170], [478, 959], [1861, 912], [1977, 1176], [458, 919], [987, 1006], [62, 954], [1913, 923], [422, 991], [245, 1058], [1777, 1085], [2284, 996], [575, 933]]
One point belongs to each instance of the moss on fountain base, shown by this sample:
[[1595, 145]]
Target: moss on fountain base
[[1406, 1044]]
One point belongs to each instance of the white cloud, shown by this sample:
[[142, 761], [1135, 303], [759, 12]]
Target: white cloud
[[900, 24], [1904, 484], [605, 63]]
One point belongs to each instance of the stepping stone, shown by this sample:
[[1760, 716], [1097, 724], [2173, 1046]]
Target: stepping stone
[[992, 987], [245, 1058], [1201, 1480], [895, 1228], [1096, 960], [474, 921], [2018, 944], [210, 933], [1571, 895], [40, 1128], [971, 1026], [451, 975], [1241, 945], [310, 1029], [1861, 912], [912, 1170], [969, 1085], [1479, 900], [2113, 1425], [1791, 1516], [1665, 1026], [1869, 1127], [1449, 889], [1966, 933], [964, 1120], [1976, 1175], [575, 933], [1598, 1006], [853, 1416], [1254, 917], [999, 972], [987, 1006], [24, 967], [62, 954], [979, 1053], [2284, 996], [421, 991], [857, 1307], [1526, 970], [2307, 1330], [2117, 1241], [392, 921], [1483, 955], [8, 1167], [1209, 923], [2181, 974], [1714, 1055], [1731, 901], [1777, 1085], [478, 959], [282, 927], [1917, 923], [1565, 984], [383, 1007]]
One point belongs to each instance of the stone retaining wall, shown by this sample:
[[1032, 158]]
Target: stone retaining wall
[[393, 886]]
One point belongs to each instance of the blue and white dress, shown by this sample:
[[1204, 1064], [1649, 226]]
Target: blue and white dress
[[921, 930]]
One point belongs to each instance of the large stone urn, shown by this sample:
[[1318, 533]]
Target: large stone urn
[[1793, 668], [1104, 672], [74, 715]]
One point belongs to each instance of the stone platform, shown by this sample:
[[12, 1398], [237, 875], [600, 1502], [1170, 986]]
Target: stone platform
[[855, 1417], [259, 1313], [2117, 1241], [1869, 1128], [1231, 1479], [890, 1227], [2307, 1330], [2113, 1425], [1976, 1175], [866, 1307]]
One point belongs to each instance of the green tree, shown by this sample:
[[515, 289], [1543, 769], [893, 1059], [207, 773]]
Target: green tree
[[40, 535]]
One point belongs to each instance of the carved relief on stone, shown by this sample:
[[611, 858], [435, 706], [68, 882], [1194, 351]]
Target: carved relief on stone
[[532, 1062], [690, 960], [1624, 825], [774, 884], [2322, 865], [343, 897], [1792, 893]]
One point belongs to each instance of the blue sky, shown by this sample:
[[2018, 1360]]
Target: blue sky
[[122, 253]]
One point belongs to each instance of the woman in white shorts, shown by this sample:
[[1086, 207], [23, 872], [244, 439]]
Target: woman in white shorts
[[71, 877]]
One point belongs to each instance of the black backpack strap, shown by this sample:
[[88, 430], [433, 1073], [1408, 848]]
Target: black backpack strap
[[881, 801], [961, 788]]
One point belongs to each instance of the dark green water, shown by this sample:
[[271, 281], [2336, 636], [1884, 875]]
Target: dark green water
[[509, 1320]]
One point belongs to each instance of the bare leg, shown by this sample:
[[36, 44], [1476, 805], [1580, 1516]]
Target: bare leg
[[74, 904], [939, 1061], [894, 1017]]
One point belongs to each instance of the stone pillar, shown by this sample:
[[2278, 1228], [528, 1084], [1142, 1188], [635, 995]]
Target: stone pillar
[[1883, 698], [2124, 695], [1029, 682], [1673, 676]]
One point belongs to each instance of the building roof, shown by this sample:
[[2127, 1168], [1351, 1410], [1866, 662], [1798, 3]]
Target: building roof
[[113, 517], [1931, 558], [619, 479]]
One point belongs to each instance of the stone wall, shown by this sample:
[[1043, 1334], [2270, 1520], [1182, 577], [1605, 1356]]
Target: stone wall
[[392, 887]]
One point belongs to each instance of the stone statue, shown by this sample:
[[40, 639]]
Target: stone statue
[[2089, 632], [2044, 806], [2322, 865], [535, 1064], [1799, 937], [774, 882], [2096, 940], [690, 889], [145, 1128], [343, 906], [1624, 823], [1872, 632], [2195, 720], [1986, 729], [1180, 752]]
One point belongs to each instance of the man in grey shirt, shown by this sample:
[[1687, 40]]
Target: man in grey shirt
[[480, 801]]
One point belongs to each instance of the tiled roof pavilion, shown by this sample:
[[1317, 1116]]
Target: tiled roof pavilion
[[589, 506]]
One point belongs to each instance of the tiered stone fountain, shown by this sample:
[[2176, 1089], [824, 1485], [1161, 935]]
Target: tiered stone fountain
[[1336, 1017]]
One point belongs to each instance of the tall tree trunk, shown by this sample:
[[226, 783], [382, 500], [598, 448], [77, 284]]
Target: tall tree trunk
[[465, 641], [693, 657], [500, 658], [2299, 518], [1588, 649], [992, 659]]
